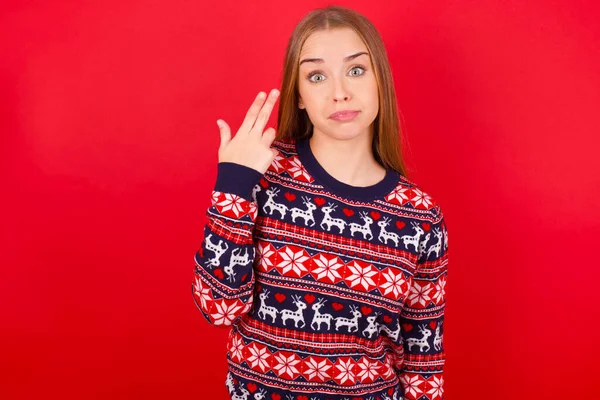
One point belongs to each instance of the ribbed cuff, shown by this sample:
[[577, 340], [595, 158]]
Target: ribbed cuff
[[236, 179]]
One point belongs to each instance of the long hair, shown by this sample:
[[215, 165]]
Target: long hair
[[293, 123]]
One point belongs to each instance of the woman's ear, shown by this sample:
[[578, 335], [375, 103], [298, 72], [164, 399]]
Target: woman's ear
[[300, 104]]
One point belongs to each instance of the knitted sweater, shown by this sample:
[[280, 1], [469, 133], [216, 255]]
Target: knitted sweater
[[331, 291]]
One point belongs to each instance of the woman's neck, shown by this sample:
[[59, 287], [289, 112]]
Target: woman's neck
[[349, 161]]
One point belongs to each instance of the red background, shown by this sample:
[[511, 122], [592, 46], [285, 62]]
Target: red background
[[109, 152]]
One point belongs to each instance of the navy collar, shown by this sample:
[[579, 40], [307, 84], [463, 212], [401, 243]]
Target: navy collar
[[363, 193]]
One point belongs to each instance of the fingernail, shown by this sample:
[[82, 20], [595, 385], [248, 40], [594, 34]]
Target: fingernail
[[262, 95], [219, 122], [274, 93]]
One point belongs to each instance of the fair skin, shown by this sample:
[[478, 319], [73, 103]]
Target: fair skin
[[328, 83], [342, 148], [251, 146]]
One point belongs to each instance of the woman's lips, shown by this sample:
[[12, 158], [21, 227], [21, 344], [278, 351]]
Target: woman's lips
[[344, 115]]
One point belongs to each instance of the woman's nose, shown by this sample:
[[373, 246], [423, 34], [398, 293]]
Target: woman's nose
[[340, 92]]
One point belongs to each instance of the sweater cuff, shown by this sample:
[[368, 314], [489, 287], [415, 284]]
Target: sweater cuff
[[236, 179]]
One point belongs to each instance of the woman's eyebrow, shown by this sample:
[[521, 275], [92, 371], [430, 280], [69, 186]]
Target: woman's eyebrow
[[321, 61]]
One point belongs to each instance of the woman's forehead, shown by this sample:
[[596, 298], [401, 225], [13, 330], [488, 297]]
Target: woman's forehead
[[345, 58], [332, 44]]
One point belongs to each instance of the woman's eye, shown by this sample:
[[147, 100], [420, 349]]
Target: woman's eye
[[317, 74], [355, 68], [311, 76]]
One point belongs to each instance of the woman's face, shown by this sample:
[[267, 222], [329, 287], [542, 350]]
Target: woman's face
[[328, 83]]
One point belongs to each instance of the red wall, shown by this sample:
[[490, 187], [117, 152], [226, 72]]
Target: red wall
[[109, 151]]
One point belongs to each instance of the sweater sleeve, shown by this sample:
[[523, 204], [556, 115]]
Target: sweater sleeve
[[223, 282], [422, 318]]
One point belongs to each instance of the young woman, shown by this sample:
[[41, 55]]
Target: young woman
[[328, 264]]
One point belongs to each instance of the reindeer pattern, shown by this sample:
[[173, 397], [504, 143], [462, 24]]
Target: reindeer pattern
[[305, 210], [369, 324], [295, 281], [411, 237]]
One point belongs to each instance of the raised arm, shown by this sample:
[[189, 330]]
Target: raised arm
[[223, 280], [223, 274]]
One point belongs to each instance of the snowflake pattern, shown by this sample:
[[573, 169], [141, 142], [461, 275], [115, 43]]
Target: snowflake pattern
[[411, 384], [332, 277], [232, 203], [203, 293], [317, 370], [440, 291], [419, 294], [328, 269], [285, 365], [346, 372], [399, 195], [437, 387], [296, 170], [235, 349], [264, 254], [394, 285], [259, 357], [421, 199], [225, 313], [292, 261], [279, 163], [360, 277], [368, 370]]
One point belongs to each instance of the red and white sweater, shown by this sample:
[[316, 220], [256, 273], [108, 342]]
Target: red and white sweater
[[331, 291]]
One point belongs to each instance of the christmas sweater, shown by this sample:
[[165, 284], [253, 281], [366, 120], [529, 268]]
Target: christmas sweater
[[330, 291]]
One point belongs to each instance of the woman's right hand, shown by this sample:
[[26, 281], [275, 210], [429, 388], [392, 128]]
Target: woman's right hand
[[250, 146]]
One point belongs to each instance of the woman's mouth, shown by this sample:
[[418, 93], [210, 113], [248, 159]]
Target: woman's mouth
[[345, 115]]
